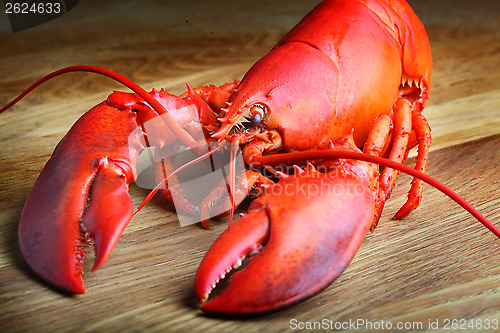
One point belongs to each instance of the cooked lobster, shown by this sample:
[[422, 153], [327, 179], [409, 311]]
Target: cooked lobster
[[340, 95]]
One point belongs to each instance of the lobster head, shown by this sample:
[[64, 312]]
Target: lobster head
[[276, 94]]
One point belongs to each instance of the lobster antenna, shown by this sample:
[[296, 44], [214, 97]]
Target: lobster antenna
[[232, 179], [312, 155], [185, 137], [200, 158]]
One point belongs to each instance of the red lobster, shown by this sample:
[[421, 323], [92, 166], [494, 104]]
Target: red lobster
[[339, 92]]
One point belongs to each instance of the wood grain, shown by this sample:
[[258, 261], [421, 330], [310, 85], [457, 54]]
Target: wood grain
[[436, 264]]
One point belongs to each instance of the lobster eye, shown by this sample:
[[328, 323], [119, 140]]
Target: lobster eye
[[257, 112]]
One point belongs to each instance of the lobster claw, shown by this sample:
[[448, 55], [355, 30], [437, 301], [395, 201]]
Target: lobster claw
[[81, 195], [309, 226]]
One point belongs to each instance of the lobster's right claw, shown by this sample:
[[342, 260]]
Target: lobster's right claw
[[309, 225]]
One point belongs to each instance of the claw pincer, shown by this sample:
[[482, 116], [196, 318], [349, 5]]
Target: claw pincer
[[309, 224], [81, 194]]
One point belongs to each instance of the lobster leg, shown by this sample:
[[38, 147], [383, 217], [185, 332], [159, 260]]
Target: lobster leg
[[401, 134], [423, 133], [405, 117], [376, 144], [378, 139]]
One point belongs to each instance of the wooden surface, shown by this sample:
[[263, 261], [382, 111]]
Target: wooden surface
[[437, 264]]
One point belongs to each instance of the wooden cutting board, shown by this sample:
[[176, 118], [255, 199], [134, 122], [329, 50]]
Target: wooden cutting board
[[436, 265]]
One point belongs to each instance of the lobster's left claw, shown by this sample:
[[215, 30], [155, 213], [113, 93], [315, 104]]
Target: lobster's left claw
[[81, 196], [53, 246], [310, 227]]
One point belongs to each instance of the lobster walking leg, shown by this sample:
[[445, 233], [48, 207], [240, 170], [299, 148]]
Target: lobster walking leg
[[406, 117], [376, 144], [379, 137], [423, 133], [402, 128]]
